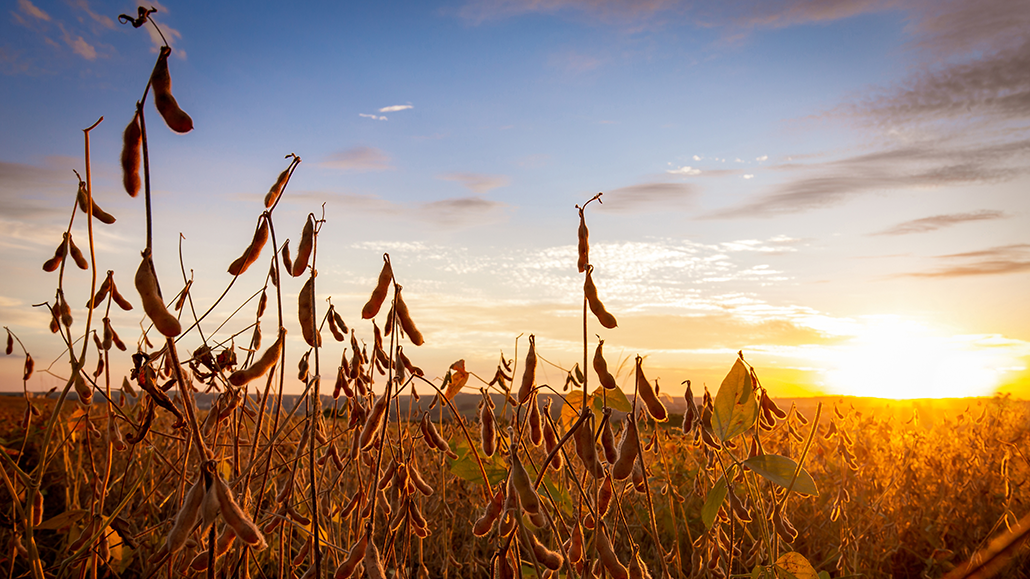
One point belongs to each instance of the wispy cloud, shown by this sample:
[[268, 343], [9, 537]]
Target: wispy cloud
[[358, 159], [461, 211], [395, 108], [999, 260], [373, 117], [649, 197], [477, 182], [921, 165], [935, 222], [32, 10], [684, 170]]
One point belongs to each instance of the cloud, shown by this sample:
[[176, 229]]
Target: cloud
[[685, 170], [935, 222], [358, 159], [460, 211], [993, 261], [994, 86], [748, 176], [29, 193], [762, 158], [649, 197], [101, 19], [79, 45], [372, 117], [32, 10], [477, 182], [921, 165], [395, 108]]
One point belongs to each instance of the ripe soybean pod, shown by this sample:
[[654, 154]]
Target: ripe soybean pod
[[590, 291], [153, 303], [132, 141], [529, 373], [253, 250], [259, 367], [305, 311], [601, 367], [654, 406], [161, 82], [371, 308], [307, 242]]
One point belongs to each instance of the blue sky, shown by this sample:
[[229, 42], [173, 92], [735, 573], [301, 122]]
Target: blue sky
[[837, 188]]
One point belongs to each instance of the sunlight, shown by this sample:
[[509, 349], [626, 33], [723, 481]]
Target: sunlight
[[890, 357]]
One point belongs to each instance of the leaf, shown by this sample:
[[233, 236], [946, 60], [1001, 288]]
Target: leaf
[[712, 503], [62, 520], [780, 469], [457, 377], [793, 565], [465, 466], [735, 406], [616, 400], [570, 410]]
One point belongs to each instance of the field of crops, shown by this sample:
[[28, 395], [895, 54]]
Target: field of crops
[[373, 471]]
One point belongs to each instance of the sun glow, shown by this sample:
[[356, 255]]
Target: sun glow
[[890, 357]]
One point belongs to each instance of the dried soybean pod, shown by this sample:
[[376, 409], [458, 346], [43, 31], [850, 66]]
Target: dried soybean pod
[[117, 296], [277, 189], [261, 365], [84, 392], [102, 292], [529, 373], [523, 484], [307, 241], [601, 367], [80, 260], [186, 519], [487, 429], [420, 483], [611, 453], [132, 141], [98, 213], [586, 449], [373, 566], [637, 569], [407, 324], [30, 364], [536, 432], [551, 441], [607, 555], [36, 508], [654, 406], [628, 449], [371, 308], [234, 516], [590, 291], [10, 343], [306, 311], [161, 82], [490, 514], [55, 262], [373, 422], [548, 558], [575, 544], [584, 243], [287, 260], [354, 557], [253, 250], [604, 496], [150, 295]]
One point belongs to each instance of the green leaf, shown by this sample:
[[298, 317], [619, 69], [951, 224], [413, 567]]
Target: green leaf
[[793, 565], [735, 406], [712, 503], [466, 468], [780, 469], [616, 400]]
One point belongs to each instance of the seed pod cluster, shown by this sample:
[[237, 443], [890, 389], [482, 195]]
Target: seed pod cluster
[[371, 308], [89, 205], [646, 393], [161, 82], [433, 438], [590, 291], [336, 325], [307, 242], [253, 250], [153, 303], [261, 365], [54, 262], [132, 142], [529, 372]]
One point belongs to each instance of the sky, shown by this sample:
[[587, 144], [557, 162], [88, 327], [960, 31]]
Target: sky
[[836, 188]]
